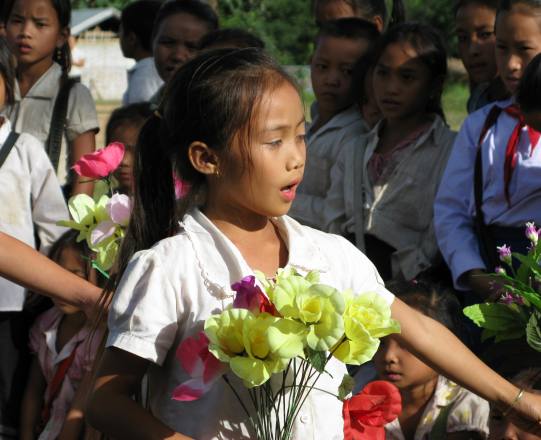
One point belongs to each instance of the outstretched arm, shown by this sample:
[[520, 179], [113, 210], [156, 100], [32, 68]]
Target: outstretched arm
[[438, 347], [24, 265]]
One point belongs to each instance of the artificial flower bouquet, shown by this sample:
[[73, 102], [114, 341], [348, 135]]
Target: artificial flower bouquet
[[517, 313], [286, 331], [101, 219]]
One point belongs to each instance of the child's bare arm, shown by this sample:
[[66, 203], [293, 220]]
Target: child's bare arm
[[32, 402], [83, 144], [111, 409], [438, 347], [75, 417]]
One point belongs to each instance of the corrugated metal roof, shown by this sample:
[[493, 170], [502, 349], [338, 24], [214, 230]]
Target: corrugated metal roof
[[84, 19]]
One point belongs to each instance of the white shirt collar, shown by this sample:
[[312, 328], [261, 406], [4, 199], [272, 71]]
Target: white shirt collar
[[46, 86]]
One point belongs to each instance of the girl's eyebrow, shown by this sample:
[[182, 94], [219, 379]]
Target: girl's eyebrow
[[283, 126]]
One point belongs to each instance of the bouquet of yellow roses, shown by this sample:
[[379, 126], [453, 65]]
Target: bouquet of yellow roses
[[289, 330]]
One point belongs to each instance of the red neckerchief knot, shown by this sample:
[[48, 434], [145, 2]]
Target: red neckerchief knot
[[366, 414], [512, 145]]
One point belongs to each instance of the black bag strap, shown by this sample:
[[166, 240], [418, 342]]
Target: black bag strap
[[486, 241], [53, 144], [8, 145]]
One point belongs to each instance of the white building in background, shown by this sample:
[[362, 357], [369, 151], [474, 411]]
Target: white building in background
[[104, 72]]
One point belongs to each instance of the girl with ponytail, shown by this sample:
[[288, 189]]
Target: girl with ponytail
[[48, 105], [232, 125], [371, 10]]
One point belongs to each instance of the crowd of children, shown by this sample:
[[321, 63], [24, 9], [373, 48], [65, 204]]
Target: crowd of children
[[377, 186]]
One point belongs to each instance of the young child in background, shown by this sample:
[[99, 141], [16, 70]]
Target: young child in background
[[230, 38], [475, 21], [339, 45], [475, 211], [178, 29], [64, 347], [383, 185], [371, 10], [124, 126], [135, 36], [232, 124], [37, 33], [501, 428], [528, 93], [32, 204], [433, 407]]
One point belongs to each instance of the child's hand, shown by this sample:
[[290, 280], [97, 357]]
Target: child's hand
[[526, 413]]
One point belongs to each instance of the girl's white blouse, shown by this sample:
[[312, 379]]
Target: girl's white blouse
[[168, 291]]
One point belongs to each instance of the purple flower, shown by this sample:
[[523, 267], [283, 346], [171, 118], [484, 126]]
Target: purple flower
[[508, 298], [249, 296], [532, 233], [500, 270], [119, 209], [505, 253]]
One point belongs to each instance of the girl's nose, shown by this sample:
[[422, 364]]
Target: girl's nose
[[181, 53]]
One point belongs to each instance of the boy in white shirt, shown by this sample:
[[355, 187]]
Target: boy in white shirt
[[136, 42], [339, 45]]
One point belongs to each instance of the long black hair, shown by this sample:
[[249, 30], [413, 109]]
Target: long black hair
[[7, 70], [211, 99], [63, 11], [430, 48]]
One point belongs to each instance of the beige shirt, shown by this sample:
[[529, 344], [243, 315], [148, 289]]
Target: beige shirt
[[402, 212], [168, 291], [32, 114], [323, 147], [31, 202]]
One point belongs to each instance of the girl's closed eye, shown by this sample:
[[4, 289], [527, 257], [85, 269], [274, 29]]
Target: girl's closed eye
[[274, 143]]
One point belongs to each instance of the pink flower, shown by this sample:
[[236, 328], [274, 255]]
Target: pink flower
[[101, 163], [532, 233], [102, 232], [500, 270], [203, 368], [249, 296], [119, 208], [505, 254], [508, 298], [182, 188]]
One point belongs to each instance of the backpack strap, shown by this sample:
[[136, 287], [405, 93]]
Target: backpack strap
[[439, 429], [8, 145], [486, 241], [53, 144]]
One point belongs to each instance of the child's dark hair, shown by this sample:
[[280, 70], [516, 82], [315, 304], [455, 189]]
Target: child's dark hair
[[351, 28], [231, 37], [69, 240], [362, 68], [506, 5], [431, 299], [7, 70], [133, 114], [196, 8], [430, 48], [370, 9], [63, 11], [529, 89], [490, 4], [138, 17], [211, 99]]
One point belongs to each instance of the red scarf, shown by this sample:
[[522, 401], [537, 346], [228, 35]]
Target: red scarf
[[512, 145]]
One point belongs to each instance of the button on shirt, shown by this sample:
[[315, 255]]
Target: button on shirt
[[31, 200], [32, 114], [143, 82], [168, 291], [454, 208], [323, 147]]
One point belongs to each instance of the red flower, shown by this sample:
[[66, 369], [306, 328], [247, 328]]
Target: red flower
[[249, 296], [101, 163], [366, 414]]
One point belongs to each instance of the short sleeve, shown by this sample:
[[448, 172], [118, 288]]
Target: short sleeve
[[82, 115], [145, 311], [469, 413]]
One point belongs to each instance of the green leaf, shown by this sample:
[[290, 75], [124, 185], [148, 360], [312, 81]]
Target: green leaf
[[346, 387], [528, 262], [533, 333], [318, 359], [496, 317]]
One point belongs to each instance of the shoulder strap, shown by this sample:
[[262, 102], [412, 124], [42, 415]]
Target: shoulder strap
[[58, 121], [8, 145], [439, 429], [486, 241]]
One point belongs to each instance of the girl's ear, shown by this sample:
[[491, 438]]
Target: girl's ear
[[380, 24], [63, 37], [203, 158]]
